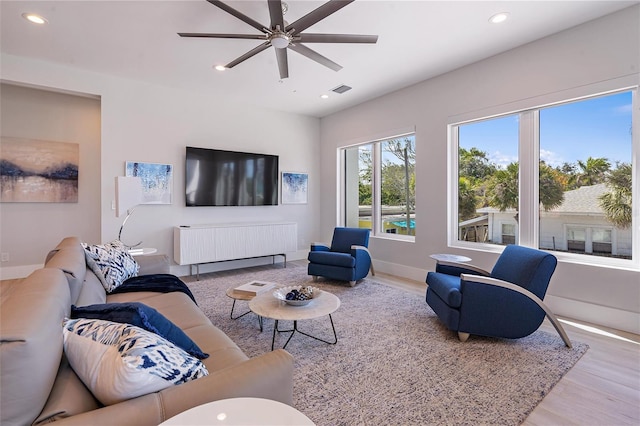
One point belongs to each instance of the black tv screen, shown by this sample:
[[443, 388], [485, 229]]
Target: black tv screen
[[228, 178]]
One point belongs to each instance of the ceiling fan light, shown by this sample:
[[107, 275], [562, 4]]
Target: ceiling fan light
[[220, 67], [279, 41]]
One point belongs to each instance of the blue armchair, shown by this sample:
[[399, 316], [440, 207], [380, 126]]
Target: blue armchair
[[347, 259], [504, 303]]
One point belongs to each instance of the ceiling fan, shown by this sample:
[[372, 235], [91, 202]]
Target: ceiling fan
[[283, 36]]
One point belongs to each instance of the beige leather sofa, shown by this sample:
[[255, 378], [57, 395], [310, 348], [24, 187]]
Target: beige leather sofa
[[38, 386]]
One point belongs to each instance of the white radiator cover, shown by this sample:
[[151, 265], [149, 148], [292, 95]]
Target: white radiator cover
[[197, 244]]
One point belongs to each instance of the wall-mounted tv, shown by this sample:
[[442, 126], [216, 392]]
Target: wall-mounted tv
[[228, 178]]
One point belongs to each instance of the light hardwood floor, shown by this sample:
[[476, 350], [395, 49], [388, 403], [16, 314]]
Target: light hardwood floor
[[603, 388]]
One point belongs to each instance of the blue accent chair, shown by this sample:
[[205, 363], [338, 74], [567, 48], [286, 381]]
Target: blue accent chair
[[347, 259], [507, 302]]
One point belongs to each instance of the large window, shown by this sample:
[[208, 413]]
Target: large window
[[379, 186], [556, 177]]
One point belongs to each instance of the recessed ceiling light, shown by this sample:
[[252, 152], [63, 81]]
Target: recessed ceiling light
[[324, 96], [499, 17], [220, 67], [36, 19]]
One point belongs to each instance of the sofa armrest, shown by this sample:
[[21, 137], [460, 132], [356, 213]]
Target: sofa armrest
[[268, 376], [153, 264]]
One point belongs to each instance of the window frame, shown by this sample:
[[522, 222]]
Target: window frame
[[377, 230], [529, 158]]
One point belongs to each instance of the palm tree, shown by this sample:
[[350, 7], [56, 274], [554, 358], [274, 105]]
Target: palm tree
[[617, 202], [551, 187], [593, 171]]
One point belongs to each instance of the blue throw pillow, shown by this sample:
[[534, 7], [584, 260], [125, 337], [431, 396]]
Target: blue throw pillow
[[142, 316]]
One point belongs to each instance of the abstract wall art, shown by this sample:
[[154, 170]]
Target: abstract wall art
[[294, 188], [157, 181], [38, 171]]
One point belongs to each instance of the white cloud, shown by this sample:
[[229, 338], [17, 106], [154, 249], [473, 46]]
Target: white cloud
[[551, 158], [502, 160]]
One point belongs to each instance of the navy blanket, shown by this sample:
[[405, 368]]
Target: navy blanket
[[161, 283]]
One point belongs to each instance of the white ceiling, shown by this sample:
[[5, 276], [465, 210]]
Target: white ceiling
[[417, 40]]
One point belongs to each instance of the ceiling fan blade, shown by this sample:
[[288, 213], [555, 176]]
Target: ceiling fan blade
[[312, 54], [248, 55], [210, 35], [275, 12], [317, 15], [241, 16], [336, 38], [283, 63]]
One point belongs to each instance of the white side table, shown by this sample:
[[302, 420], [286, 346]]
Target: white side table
[[441, 257], [240, 411], [142, 251]]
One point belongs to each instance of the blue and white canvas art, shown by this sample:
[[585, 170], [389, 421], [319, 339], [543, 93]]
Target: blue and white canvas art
[[294, 188], [157, 181]]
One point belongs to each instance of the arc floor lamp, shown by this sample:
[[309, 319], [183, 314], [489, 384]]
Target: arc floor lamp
[[128, 197]]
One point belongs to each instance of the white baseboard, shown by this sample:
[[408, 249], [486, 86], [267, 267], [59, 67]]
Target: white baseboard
[[13, 272], [403, 271], [594, 314]]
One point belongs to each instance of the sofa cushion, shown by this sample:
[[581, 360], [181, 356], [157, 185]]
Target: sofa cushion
[[120, 361], [111, 262], [31, 311], [92, 291], [68, 397], [143, 316], [69, 257]]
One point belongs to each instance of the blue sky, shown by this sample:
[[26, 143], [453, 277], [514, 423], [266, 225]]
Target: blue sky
[[598, 127]]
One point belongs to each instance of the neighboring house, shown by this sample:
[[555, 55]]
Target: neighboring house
[[578, 225]]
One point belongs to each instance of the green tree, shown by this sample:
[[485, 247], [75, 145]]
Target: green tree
[[616, 203], [593, 171], [474, 164], [551, 187], [466, 199]]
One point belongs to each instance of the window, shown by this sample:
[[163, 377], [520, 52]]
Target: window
[[556, 177], [379, 187]]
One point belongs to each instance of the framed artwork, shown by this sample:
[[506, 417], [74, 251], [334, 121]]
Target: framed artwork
[[157, 181], [37, 171], [294, 188]]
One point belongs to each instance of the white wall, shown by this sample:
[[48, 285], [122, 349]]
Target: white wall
[[591, 54], [142, 122]]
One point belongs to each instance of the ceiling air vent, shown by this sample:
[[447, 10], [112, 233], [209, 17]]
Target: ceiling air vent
[[341, 89]]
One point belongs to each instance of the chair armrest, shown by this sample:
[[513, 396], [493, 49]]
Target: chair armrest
[[523, 291], [355, 248], [319, 247], [457, 268]]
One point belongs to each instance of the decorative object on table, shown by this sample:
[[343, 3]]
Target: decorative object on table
[[128, 197], [504, 303], [253, 288], [295, 188], [38, 171], [347, 259], [157, 181], [296, 295]]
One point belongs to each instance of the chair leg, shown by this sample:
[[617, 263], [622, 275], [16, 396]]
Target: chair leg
[[352, 283], [463, 336], [315, 278]]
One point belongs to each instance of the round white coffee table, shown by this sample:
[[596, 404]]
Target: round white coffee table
[[240, 411], [267, 306]]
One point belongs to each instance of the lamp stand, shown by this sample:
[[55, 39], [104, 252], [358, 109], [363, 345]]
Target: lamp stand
[[129, 212]]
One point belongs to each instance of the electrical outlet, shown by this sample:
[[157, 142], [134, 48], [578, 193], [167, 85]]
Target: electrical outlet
[[5, 257]]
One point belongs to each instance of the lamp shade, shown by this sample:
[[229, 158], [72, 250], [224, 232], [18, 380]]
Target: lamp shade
[[128, 193]]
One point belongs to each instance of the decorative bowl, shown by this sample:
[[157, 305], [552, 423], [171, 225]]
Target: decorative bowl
[[281, 294]]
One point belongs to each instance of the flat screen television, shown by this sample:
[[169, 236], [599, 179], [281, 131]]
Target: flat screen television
[[228, 178]]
